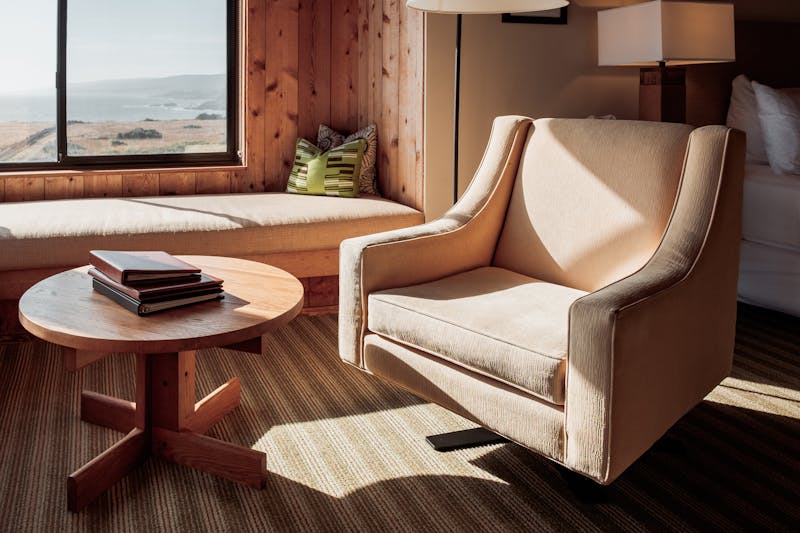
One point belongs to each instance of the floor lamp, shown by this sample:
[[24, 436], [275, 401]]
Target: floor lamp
[[477, 436], [475, 7]]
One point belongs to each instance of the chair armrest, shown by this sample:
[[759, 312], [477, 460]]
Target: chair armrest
[[462, 239], [646, 349]]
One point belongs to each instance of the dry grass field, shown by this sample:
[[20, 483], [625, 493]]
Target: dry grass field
[[28, 142]]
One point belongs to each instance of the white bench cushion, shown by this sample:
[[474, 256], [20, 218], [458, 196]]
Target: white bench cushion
[[61, 232]]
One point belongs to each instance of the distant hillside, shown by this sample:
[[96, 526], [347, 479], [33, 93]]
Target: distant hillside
[[195, 86]]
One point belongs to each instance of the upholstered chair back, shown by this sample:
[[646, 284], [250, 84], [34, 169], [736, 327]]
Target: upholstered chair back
[[591, 199]]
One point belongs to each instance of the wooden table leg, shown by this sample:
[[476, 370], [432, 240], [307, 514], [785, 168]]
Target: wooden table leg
[[214, 407], [77, 359], [166, 422], [177, 422], [255, 346], [236, 463], [97, 476], [107, 411]]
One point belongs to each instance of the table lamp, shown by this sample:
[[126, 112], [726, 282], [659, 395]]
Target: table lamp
[[661, 37], [475, 7]]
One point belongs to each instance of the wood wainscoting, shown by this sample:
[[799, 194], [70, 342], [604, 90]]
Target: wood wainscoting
[[345, 63]]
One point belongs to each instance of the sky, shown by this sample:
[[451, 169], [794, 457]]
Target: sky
[[110, 39]]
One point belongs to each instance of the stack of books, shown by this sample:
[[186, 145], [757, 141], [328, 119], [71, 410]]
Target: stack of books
[[146, 282]]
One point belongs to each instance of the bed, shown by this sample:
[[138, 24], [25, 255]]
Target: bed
[[769, 267], [769, 274]]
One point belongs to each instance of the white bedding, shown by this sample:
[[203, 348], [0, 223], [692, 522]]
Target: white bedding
[[771, 212], [770, 277]]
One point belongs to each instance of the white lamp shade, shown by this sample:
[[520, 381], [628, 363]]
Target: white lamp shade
[[484, 6], [677, 33]]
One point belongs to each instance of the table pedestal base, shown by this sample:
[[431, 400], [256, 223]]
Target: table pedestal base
[[166, 422]]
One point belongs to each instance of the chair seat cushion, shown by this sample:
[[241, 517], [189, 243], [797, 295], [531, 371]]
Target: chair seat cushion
[[492, 321]]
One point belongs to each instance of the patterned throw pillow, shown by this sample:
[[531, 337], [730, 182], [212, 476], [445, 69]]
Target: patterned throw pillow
[[331, 173], [328, 138]]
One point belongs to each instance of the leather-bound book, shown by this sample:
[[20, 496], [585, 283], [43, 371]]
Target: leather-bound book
[[171, 288], [156, 304], [127, 267]]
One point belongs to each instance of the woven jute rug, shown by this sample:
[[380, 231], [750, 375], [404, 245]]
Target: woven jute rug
[[346, 452]]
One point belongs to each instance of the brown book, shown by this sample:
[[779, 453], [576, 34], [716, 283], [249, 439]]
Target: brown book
[[125, 267], [152, 306], [169, 288]]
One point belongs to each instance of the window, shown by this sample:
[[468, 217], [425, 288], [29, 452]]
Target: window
[[111, 83]]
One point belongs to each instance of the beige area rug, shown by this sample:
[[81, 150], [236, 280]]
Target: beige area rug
[[346, 452]]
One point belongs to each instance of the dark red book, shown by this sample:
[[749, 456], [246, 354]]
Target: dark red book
[[172, 288], [126, 267]]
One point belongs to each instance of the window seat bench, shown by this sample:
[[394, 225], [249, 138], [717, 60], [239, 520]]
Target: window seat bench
[[298, 233]]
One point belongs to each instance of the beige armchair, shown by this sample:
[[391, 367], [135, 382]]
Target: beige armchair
[[579, 299]]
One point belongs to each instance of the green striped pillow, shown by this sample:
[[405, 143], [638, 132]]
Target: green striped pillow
[[331, 173]]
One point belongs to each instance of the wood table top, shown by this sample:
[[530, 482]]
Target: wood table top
[[65, 310]]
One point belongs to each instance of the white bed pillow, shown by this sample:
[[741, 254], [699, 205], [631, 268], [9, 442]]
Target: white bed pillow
[[743, 115], [779, 114]]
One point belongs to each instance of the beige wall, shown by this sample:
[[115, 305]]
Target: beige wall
[[440, 36], [529, 69]]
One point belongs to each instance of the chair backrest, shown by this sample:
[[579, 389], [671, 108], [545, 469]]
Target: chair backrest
[[591, 200]]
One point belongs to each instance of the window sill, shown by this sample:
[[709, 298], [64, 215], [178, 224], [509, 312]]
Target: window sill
[[125, 171]]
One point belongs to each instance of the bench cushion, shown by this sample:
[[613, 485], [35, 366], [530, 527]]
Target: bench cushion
[[61, 232]]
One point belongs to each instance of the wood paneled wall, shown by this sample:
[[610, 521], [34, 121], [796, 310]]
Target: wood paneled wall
[[391, 94], [345, 63]]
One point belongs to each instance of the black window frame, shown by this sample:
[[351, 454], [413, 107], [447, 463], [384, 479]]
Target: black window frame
[[231, 157]]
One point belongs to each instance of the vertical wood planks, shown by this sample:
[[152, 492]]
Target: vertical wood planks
[[213, 182], [391, 93], [282, 91], [61, 187], [102, 185], [406, 117], [344, 64], [364, 63], [14, 189], [174, 183], [256, 31], [24, 189], [315, 67], [410, 107], [374, 46], [388, 124], [140, 184]]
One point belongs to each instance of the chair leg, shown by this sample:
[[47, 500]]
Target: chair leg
[[468, 438]]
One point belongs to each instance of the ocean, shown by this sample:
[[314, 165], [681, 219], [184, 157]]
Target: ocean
[[174, 98]]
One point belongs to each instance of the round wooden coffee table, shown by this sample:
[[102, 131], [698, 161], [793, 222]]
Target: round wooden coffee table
[[164, 420]]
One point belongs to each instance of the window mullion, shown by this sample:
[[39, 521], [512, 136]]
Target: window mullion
[[61, 84]]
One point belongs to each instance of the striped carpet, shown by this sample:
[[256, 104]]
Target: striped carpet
[[346, 451]]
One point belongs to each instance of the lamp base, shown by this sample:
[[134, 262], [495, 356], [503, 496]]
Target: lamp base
[[662, 94]]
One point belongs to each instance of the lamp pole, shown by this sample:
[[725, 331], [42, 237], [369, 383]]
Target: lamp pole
[[459, 7], [457, 110]]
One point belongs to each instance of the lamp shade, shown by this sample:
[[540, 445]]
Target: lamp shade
[[484, 6], [676, 33]]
